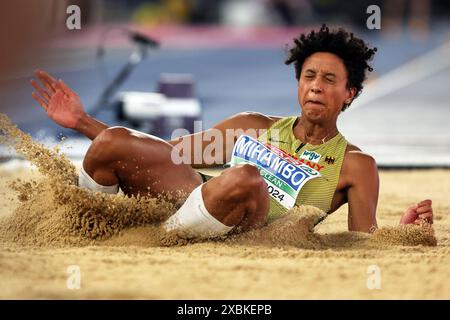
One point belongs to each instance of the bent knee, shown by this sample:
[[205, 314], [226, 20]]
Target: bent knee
[[112, 135], [246, 180], [248, 175], [113, 138], [107, 146]]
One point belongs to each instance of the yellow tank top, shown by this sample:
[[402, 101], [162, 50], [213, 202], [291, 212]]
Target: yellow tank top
[[326, 158]]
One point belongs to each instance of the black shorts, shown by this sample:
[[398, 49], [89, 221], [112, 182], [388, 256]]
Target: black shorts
[[205, 177]]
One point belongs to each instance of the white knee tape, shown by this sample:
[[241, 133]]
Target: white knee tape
[[85, 181], [192, 220]]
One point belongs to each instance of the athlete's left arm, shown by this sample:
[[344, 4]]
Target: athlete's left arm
[[421, 212], [362, 196], [362, 191]]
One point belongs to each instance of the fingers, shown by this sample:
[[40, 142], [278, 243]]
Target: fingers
[[48, 81], [62, 86], [426, 202], [424, 209], [46, 76], [51, 84], [44, 94], [39, 100]]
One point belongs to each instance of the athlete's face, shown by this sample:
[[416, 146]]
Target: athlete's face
[[322, 87]]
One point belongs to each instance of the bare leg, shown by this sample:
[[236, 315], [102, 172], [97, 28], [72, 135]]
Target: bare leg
[[142, 164], [139, 163]]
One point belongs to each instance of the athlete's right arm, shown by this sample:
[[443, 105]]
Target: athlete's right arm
[[64, 106], [207, 148]]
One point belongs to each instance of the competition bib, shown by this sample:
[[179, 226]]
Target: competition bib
[[284, 175]]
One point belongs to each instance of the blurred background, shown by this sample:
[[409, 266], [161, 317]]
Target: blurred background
[[161, 65]]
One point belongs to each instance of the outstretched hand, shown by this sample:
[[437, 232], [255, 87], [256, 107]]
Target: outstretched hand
[[419, 213], [61, 103]]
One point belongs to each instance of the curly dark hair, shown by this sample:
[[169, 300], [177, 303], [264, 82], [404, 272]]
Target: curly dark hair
[[353, 51]]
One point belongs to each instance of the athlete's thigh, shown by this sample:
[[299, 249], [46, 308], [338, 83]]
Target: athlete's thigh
[[149, 168]]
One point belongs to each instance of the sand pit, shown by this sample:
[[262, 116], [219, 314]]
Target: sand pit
[[49, 228]]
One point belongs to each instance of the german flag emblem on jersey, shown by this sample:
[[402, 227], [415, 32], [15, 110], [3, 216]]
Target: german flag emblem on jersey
[[330, 160]]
